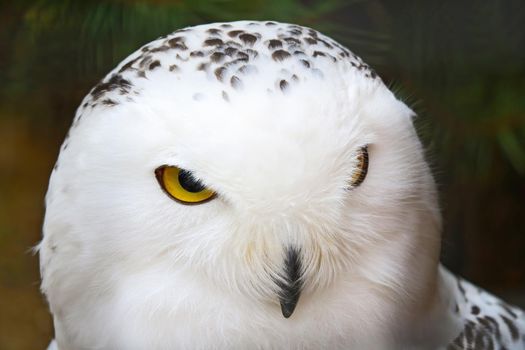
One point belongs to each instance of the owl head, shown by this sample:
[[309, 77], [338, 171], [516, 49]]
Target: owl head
[[259, 159]]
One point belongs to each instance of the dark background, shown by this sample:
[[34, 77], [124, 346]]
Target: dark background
[[461, 67]]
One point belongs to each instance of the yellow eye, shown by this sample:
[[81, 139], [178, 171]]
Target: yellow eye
[[361, 167], [182, 186]]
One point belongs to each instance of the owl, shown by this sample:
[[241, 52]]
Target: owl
[[252, 185]]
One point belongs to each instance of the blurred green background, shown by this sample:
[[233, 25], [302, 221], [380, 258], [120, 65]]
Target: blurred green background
[[460, 66]]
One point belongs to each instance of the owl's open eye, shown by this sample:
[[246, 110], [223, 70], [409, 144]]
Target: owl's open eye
[[361, 167], [182, 186]]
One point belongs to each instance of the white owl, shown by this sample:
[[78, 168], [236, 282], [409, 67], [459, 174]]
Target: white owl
[[252, 185]]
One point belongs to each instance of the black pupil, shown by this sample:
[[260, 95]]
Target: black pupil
[[189, 183]]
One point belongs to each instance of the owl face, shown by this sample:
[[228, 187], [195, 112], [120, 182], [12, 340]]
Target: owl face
[[266, 160]]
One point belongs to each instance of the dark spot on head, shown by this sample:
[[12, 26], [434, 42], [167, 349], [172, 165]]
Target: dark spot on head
[[115, 82], [235, 82], [175, 40], [234, 33], [107, 102], [145, 61], [274, 44], [213, 42], [326, 43], [243, 55], [216, 56], [203, 66], [141, 74], [295, 77], [312, 33], [181, 47], [310, 40], [160, 48], [318, 53], [197, 54], [177, 43], [305, 63], [298, 52], [253, 24], [128, 65], [179, 57], [247, 69], [248, 39], [225, 96], [154, 64], [226, 25], [280, 55], [213, 31], [283, 84], [174, 68], [364, 67], [230, 51], [295, 30], [234, 44], [252, 53], [219, 73], [235, 62], [270, 23], [292, 41]]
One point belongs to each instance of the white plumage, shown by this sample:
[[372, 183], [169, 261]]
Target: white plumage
[[275, 119]]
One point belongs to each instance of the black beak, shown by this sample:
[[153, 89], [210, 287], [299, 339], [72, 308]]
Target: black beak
[[290, 287]]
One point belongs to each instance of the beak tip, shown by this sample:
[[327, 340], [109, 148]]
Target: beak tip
[[290, 288], [288, 307]]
